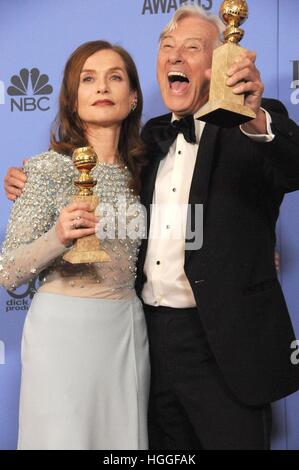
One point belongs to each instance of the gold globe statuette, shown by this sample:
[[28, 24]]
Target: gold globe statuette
[[86, 249], [224, 108]]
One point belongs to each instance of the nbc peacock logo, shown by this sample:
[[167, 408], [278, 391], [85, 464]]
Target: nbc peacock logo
[[29, 88]]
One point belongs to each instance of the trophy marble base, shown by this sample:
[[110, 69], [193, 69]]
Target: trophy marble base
[[86, 249], [224, 108]]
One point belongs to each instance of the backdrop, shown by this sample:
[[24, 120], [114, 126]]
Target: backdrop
[[38, 36]]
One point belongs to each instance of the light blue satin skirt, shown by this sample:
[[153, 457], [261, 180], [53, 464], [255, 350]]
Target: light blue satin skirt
[[85, 374]]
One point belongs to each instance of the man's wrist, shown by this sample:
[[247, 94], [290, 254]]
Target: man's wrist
[[257, 125]]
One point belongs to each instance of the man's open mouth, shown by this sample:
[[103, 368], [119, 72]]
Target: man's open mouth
[[178, 81]]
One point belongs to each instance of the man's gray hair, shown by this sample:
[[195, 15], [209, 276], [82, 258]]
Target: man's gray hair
[[194, 10]]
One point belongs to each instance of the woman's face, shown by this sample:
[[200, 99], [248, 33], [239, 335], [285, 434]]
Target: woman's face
[[104, 94]]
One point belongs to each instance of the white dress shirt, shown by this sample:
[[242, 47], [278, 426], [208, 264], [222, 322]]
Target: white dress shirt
[[167, 283]]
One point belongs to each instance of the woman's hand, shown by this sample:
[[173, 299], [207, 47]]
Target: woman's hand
[[75, 221], [14, 183]]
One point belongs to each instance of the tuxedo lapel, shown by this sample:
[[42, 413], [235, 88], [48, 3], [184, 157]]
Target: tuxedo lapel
[[149, 181], [155, 155], [200, 180], [147, 192], [202, 171]]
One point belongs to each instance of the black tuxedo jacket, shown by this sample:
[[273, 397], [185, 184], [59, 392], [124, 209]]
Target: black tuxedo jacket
[[241, 184]]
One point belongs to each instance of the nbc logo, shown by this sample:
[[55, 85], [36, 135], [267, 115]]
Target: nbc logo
[[2, 353], [29, 82]]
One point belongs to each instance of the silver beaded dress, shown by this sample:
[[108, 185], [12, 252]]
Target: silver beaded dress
[[85, 362]]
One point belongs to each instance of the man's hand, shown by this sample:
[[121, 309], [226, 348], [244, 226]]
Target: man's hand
[[14, 183], [244, 78]]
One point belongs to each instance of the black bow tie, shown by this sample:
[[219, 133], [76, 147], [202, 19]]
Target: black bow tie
[[165, 133]]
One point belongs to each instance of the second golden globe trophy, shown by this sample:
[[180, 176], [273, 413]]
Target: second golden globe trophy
[[86, 249], [225, 108]]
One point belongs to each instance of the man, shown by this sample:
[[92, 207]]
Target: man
[[218, 325], [219, 328]]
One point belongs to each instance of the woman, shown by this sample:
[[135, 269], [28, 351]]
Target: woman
[[85, 365]]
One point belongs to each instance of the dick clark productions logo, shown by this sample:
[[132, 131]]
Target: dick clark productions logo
[[20, 299], [29, 89]]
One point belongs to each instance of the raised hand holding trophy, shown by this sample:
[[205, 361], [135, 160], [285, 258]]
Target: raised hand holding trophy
[[86, 249], [225, 108]]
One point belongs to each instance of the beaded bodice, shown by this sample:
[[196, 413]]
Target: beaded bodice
[[31, 246]]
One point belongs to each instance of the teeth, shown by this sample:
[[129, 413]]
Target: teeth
[[180, 74]]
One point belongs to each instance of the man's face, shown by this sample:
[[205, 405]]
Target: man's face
[[184, 60]]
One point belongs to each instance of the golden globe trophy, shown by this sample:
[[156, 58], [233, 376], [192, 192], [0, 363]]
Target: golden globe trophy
[[86, 249], [224, 108]]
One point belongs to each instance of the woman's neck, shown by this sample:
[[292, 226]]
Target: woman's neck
[[105, 140]]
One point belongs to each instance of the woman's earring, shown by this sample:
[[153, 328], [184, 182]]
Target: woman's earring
[[134, 105]]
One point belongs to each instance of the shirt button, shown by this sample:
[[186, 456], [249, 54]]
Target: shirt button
[[167, 226], [174, 190], [179, 152], [158, 262]]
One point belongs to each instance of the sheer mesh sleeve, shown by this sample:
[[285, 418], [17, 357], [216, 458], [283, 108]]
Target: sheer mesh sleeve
[[31, 243]]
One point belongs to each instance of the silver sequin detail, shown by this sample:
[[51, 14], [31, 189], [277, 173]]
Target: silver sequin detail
[[49, 188]]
